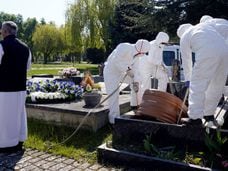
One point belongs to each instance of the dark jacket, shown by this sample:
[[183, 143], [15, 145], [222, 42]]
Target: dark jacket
[[13, 68]]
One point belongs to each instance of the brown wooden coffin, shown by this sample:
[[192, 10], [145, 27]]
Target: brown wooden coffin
[[162, 106]]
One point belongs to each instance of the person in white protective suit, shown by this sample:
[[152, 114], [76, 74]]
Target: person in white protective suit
[[119, 63], [220, 25], [208, 75], [152, 66]]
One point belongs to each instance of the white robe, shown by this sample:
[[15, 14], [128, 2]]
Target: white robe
[[13, 116]]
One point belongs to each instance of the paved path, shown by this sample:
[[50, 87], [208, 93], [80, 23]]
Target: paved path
[[36, 161]]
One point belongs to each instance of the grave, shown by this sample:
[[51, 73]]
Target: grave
[[130, 132], [72, 113]]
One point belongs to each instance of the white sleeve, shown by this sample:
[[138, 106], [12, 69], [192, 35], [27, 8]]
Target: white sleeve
[[1, 53], [186, 55], [29, 62], [123, 57]]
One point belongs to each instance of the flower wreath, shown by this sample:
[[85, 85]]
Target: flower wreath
[[52, 91]]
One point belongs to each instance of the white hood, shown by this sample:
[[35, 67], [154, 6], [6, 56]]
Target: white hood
[[161, 37], [142, 46], [205, 18], [182, 28]]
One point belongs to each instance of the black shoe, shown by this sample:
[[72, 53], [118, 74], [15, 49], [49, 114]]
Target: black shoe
[[14, 149], [192, 122]]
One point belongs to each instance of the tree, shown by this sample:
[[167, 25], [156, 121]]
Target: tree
[[132, 21], [105, 12], [18, 19], [95, 55], [48, 41], [198, 8], [28, 29], [75, 21], [88, 22]]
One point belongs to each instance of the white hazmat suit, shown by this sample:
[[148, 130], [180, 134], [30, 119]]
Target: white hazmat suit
[[118, 62], [152, 65], [220, 25], [208, 75]]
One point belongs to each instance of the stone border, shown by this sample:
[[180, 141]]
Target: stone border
[[115, 157], [72, 113]]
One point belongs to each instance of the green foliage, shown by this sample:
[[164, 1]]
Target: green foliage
[[48, 41], [28, 29], [18, 19], [215, 145], [87, 24], [132, 21], [94, 55], [149, 147], [168, 153], [81, 146], [195, 158]]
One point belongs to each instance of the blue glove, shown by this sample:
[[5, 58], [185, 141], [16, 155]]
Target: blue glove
[[187, 84]]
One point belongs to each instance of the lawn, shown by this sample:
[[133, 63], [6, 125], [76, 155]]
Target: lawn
[[81, 146], [55, 67]]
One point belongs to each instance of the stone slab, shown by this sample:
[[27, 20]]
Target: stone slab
[[131, 129], [72, 113]]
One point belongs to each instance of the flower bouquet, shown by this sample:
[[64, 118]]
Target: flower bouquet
[[68, 72]]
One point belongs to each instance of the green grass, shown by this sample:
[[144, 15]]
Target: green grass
[[54, 68], [81, 146]]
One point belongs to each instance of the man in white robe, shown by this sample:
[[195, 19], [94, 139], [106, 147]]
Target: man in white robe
[[15, 60]]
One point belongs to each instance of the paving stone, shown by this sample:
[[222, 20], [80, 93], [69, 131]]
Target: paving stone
[[58, 166], [18, 167], [47, 165], [88, 169], [59, 160], [52, 158], [95, 167], [25, 159], [30, 151], [30, 167], [39, 161], [69, 161], [34, 160], [103, 169], [39, 153], [44, 156], [76, 164], [84, 166], [68, 168]]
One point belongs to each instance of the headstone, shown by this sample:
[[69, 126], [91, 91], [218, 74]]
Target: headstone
[[43, 76]]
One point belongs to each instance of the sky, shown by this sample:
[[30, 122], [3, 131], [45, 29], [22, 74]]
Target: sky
[[50, 10]]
